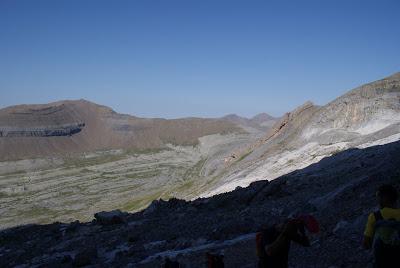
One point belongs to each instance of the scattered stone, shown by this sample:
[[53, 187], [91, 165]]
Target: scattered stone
[[192, 228], [110, 217], [85, 257], [66, 259], [151, 208], [340, 225], [71, 227]]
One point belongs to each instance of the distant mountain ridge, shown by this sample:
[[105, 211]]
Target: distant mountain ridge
[[262, 121], [65, 127], [326, 160]]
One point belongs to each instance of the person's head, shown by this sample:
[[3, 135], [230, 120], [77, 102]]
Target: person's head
[[387, 196]]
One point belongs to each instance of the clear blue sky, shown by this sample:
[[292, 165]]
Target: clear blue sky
[[194, 58]]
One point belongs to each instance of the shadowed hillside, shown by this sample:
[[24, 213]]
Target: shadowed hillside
[[339, 190]]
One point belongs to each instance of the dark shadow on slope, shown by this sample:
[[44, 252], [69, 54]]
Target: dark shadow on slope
[[338, 188]]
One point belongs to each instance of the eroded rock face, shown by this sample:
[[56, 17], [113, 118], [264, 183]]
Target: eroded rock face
[[366, 115], [361, 108], [51, 131]]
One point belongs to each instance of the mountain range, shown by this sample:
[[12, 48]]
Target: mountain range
[[224, 179], [67, 127]]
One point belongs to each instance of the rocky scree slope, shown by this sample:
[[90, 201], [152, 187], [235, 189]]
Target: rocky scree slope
[[339, 190], [365, 116]]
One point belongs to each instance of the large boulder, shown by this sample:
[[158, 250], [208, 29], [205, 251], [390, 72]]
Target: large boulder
[[110, 217]]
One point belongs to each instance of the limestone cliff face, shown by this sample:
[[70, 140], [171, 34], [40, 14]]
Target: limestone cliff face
[[362, 106], [48, 131], [369, 114], [362, 111], [65, 127]]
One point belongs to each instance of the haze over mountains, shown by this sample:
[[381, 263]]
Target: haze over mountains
[[133, 133], [80, 126], [88, 158], [261, 121], [325, 160], [68, 160]]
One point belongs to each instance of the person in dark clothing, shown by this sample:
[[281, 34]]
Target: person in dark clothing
[[276, 241]]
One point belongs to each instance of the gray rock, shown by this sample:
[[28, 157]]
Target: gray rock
[[151, 208], [110, 217], [340, 225], [85, 257]]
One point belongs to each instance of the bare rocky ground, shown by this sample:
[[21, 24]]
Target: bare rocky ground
[[369, 114], [339, 190], [68, 189]]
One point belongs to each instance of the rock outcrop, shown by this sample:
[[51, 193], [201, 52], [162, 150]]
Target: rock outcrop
[[364, 116], [338, 191], [110, 217], [50, 131]]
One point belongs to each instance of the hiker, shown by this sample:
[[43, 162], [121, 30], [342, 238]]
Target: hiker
[[382, 232], [273, 243]]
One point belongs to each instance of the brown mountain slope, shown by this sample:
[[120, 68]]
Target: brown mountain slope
[[66, 127]]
